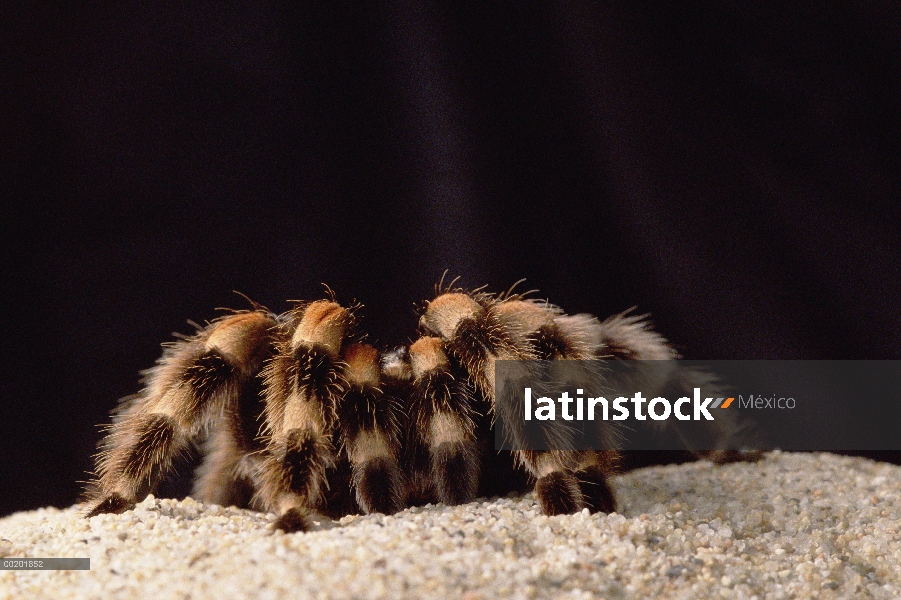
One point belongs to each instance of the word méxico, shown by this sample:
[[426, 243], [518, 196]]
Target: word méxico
[[658, 409], [761, 402]]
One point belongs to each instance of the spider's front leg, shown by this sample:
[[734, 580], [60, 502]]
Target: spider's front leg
[[304, 385], [196, 381]]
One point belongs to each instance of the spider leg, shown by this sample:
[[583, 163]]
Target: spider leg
[[370, 430], [441, 407], [304, 382], [226, 476], [592, 475], [197, 380]]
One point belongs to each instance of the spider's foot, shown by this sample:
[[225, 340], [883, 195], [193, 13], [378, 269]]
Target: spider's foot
[[455, 469], [722, 457], [112, 504], [559, 494], [380, 487], [596, 491], [293, 520]]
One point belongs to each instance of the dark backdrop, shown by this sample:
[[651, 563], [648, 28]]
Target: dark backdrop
[[731, 168]]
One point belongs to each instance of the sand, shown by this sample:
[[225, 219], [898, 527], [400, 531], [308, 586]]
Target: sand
[[790, 526]]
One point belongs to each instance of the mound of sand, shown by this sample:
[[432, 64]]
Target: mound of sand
[[790, 526]]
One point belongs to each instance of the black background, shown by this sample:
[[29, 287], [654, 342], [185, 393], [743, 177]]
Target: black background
[[731, 168]]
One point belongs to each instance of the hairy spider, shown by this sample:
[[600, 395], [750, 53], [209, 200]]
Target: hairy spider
[[298, 415]]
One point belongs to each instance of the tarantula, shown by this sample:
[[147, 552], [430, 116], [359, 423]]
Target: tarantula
[[295, 414], [300, 416]]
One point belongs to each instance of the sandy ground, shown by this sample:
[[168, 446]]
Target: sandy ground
[[790, 526]]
